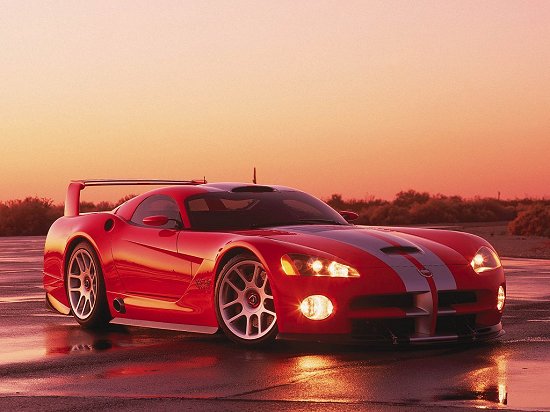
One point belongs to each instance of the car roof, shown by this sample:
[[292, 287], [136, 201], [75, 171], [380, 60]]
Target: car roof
[[183, 192], [216, 187]]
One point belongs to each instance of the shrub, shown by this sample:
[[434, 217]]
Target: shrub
[[532, 220], [412, 207], [33, 216], [385, 214], [28, 217], [410, 197]]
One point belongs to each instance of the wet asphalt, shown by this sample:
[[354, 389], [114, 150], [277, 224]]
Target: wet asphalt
[[47, 362]]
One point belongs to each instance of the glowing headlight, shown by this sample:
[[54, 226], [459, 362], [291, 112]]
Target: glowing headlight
[[501, 297], [295, 264], [316, 265], [338, 270], [316, 307], [485, 259]]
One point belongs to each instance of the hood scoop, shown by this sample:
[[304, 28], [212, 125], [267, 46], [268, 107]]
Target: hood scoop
[[400, 250]]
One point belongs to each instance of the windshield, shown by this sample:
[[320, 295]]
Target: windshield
[[246, 210]]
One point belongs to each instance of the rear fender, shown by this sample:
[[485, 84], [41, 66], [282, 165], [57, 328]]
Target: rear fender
[[61, 240]]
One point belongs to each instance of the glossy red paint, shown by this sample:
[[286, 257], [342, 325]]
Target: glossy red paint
[[157, 220], [169, 275]]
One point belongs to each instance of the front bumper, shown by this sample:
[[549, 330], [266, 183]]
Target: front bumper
[[482, 334], [370, 311]]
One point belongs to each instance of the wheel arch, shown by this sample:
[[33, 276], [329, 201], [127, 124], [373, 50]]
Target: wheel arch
[[71, 246], [230, 253]]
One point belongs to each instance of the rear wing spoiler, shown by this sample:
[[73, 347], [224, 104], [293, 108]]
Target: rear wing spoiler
[[72, 200]]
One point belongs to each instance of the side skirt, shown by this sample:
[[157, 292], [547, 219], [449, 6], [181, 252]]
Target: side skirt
[[210, 330]]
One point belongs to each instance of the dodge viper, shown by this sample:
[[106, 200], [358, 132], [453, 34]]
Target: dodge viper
[[260, 262]]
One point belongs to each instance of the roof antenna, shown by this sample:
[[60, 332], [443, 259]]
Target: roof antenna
[[254, 178]]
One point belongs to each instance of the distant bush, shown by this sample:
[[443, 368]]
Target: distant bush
[[86, 207], [412, 207], [28, 217], [532, 220], [33, 216], [410, 198]]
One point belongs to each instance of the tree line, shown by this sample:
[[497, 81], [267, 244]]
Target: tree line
[[33, 215], [525, 216]]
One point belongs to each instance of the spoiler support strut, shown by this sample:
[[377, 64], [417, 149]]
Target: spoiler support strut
[[72, 200]]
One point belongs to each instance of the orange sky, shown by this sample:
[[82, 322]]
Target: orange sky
[[359, 98]]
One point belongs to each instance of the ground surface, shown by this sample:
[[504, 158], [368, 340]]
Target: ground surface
[[47, 362], [509, 245]]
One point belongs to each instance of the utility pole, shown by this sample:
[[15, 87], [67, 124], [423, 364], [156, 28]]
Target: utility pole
[[254, 178]]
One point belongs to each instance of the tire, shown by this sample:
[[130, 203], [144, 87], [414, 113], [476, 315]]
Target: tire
[[86, 288], [244, 302]]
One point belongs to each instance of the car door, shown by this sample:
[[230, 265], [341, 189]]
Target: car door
[[146, 257]]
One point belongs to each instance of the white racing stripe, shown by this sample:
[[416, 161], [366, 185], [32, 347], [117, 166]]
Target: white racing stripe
[[360, 238], [443, 278]]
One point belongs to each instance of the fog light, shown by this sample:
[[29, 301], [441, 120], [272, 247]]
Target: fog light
[[501, 297], [316, 307]]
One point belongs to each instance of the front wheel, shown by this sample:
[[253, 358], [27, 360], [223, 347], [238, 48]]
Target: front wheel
[[244, 302], [86, 288]]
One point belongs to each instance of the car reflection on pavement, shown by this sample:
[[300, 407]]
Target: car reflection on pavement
[[471, 375], [66, 340]]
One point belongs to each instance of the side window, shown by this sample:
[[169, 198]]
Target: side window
[[302, 209], [158, 205]]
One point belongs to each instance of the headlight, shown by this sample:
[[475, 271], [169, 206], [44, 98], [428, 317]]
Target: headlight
[[485, 259], [296, 264]]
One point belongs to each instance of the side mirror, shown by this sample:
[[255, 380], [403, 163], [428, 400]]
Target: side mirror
[[349, 215], [157, 220]]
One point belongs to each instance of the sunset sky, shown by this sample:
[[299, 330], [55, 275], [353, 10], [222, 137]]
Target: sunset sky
[[358, 97]]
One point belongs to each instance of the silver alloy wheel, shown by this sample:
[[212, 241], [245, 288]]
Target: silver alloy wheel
[[82, 283], [246, 302]]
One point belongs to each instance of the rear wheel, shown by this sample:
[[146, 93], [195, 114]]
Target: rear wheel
[[86, 288], [244, 302]]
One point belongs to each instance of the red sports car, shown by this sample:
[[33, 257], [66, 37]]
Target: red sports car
[[261, 262]]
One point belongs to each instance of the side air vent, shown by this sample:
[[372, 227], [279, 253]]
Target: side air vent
[[253, 188], [400, 250], [109, 225]]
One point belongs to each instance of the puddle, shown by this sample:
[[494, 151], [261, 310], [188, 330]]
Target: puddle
[[63, 339], [490, 397], [510, 382]]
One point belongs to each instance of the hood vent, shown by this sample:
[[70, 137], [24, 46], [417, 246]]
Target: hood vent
[[400, 250]]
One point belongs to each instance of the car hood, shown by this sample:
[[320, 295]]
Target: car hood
[[409, 255], [379, 246]]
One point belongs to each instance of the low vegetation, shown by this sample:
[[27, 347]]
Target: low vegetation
[[31, 216], [526, 216], [532, 220], [34, 216]]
